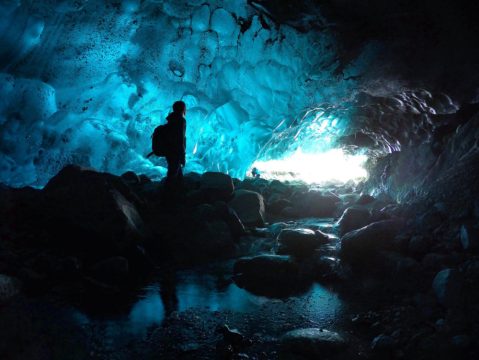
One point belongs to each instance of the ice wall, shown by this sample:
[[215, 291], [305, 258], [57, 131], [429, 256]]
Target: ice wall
[[86, 82]]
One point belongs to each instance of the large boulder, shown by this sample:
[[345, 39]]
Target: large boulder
[[353, 218], [360, 246], [272, 275], [249, 206], [300, 242], [313, 343], [217, 186], [91, 211]]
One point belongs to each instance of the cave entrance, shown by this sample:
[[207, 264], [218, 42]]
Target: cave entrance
[[333, 166]]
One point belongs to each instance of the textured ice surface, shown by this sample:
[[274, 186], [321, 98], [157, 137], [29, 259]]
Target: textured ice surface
[[86, 82]]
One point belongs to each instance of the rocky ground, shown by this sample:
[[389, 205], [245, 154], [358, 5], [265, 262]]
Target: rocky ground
[[407, 273]]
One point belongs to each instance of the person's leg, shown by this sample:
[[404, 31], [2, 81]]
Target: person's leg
[[174, 176]]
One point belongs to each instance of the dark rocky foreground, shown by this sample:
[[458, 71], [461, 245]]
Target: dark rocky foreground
[[406, 273]]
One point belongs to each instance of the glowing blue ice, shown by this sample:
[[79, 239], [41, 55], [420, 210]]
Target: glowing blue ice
[[87, 83]]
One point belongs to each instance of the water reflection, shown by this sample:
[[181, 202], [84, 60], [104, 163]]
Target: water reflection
[[208, 291]]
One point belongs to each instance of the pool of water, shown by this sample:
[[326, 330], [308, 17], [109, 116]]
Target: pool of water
[[206, 289]]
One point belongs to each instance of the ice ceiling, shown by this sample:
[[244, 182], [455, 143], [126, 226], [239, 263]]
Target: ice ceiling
[[86, 82]]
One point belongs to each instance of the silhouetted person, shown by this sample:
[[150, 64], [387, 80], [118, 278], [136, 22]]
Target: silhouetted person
[[176, 154], [255, 173]]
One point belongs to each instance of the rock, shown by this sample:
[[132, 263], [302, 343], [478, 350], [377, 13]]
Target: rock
[[231, 336], [90, 211], [276, 228], [213, 240], [383, 343], [192, 181], [277, 206], [359, 246], [314, 203], [393, 263], [365, 199], [290, 212], [131, 178], [353, 218], [9, 287], [217, 186], [112, 271], [431, 219], [313, 343], [299, 242], [469, 236], [272, 275], [249, 206], [326, 268], [418, 245], [232, 219], [434, 262], [447, 286], [277, 186], [461, 342]]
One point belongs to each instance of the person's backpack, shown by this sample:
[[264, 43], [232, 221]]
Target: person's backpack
[[160, 141]]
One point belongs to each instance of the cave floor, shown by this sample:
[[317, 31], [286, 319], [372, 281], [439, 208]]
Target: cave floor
[[176, 314]]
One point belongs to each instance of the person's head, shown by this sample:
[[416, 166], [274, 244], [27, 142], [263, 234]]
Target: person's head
[[179, 107]]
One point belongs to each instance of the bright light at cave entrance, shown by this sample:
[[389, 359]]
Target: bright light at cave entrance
[[333, 166]]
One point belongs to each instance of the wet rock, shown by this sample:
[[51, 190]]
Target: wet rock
[[276, 228], [273, 275], [365, 199], [112, 271], [277, 206], [383, 343], [360, 246], [249, 206], [326, 268], [300, 242], [277, 186], [447, 286], [217, 186], [469, 236], [9, 287], [349, 199], [353, 218], [313, 342]]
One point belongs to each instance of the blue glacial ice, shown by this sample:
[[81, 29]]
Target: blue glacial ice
[[86, 82]]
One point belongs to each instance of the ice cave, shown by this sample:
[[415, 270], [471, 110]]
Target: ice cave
[[328, 204]]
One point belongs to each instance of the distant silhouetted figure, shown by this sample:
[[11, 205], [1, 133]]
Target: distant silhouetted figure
[[255, 173], [175, 156]]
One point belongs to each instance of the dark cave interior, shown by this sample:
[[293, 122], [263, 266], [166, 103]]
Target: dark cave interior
[[358, 238]]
